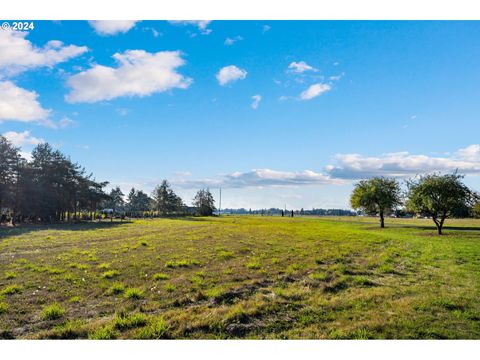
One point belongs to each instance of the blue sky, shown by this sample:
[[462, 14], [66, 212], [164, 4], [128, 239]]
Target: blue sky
[[136, 102]]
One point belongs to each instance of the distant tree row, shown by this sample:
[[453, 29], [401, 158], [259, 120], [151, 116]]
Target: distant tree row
[[278, 211], [435, 196], [50, 187]]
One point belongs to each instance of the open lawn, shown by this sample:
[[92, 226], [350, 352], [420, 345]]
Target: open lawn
[[241, 277]]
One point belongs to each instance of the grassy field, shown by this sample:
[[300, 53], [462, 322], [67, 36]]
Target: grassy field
[[241, 277]]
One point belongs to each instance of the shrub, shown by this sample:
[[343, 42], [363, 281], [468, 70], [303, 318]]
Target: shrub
[[134, 293], [52, 312], [110, 274]]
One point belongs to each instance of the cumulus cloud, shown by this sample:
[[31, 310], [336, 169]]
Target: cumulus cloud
[[22, 138], [112, 27], [261, 178], [138, 73], [202, 25], [229, 74], [404, 164], [256, 101], [314, 91], [19, 104], [18, 54], [300, 67]]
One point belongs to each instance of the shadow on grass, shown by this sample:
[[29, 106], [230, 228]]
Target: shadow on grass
[[80, 226]]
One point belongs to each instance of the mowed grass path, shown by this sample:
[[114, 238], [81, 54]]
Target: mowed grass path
[[241, 277]]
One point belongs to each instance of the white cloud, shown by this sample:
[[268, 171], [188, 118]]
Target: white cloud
[[18, 54], [256, 101], [266, 28], [200, 24], [112, 27], [22, 138], [404, 164], [65, 122], [19, 104], [300, 67], [314, 91], [231, 41], [138, 73], [230, 73], [261, 178]]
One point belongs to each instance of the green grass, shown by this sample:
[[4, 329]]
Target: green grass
[[242, 277], [52, 312]]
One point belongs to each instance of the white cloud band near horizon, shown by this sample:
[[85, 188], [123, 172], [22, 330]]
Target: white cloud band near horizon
[[347, 168]]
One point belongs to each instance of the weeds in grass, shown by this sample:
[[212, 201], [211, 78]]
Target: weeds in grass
[[52, 312], [319, 276], [156, 329], [10, 275], [169, 288], [110, 274], [3, 307], [160, 276], [143, 243], [74, 299], [134, 293], [254, 265], [181, 263], [69, 330], [11, 289], [226, 255], [117, 288], [69, 277], [104, 266], [123, 321], [78, 266], [106, 332]]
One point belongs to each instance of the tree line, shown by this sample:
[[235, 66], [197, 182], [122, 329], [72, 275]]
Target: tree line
[[50, 188], [435, 196]]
